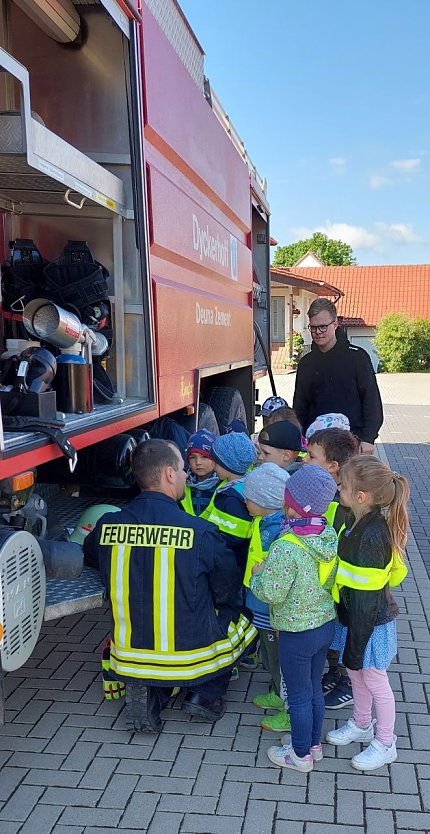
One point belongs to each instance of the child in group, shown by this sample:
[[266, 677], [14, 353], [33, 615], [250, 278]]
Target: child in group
[[263, 491], [234, 454], [275, 410], [331, 448], [202, 480], [281, 443], [295, 580], [370, 561], [334, 420]]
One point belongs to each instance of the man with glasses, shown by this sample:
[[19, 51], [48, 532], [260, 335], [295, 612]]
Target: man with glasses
[[337, 376]]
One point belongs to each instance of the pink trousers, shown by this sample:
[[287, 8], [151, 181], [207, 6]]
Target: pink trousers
[[372, 686]]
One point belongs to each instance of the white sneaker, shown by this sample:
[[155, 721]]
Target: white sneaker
[[350, 732], [285, 757], [316, 751], [375, 755]]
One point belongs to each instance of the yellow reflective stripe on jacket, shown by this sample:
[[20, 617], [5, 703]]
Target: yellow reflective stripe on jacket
[[183, 665], [226, 523], [119, 593], [256, 554], [163, 600], [331, 512], [324, 568], [369, 579], [208, 510]]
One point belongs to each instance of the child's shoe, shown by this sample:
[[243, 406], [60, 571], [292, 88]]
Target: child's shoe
[[330, 680], [234, 674], [339, 695], [316, 751], [350, 732], [375, 755], [278, 723], [268, 701], [251, 662], [285, 757]]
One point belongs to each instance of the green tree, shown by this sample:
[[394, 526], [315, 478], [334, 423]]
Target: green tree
[[331, 252], [403, 343]]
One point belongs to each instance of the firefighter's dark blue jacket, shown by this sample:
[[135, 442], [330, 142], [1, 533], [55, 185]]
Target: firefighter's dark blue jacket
[[166, 573]]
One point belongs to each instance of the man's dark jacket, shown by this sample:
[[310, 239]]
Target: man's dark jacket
[[367, 545], [340, 380], [172, 585]]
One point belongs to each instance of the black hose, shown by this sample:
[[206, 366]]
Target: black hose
[[259, 335]]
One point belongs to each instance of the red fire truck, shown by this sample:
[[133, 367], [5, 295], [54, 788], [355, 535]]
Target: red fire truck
[[110, 134]]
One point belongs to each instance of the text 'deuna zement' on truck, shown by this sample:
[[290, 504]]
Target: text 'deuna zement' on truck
[[135, 272]]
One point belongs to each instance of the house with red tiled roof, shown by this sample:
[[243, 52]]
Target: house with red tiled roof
[[368, 293]]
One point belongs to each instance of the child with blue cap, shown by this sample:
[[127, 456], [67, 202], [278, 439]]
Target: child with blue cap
[[202, 480]]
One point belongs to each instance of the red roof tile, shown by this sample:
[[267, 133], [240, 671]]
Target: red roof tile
[[370, 292]]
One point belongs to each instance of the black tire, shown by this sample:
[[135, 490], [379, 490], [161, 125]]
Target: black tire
[[227, 405], [207, 419]]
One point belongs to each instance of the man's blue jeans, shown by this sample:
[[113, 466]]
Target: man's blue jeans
[[302, 656]]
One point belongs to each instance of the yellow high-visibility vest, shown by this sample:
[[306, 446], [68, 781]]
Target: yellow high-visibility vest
[[256, 554], [369, 579], [325, 569], [187, 502]]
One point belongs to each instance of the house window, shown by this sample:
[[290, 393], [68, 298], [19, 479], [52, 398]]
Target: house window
[[277, 306]]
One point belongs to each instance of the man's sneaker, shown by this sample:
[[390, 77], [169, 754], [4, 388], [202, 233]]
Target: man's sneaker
[[316, 751], [285, 757], [278, 723], [268, 701], [349, 732], [340, 696], [375, 755], [330, 680], [251, 662]]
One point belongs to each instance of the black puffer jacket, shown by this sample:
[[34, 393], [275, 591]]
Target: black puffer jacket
[[342, 380], [367, 545]]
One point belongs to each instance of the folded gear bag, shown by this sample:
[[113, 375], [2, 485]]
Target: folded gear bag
[[78, 283], [21, 280]]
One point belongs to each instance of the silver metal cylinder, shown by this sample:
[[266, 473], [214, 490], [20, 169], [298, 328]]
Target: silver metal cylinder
[[47, 321]]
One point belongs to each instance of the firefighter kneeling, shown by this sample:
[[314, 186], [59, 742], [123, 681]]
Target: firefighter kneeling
[[172, 584]]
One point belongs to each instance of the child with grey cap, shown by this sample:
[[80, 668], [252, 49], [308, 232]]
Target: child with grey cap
[[263, 492]]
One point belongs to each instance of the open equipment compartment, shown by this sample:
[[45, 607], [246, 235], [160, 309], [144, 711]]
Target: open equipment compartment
[[71, 167]]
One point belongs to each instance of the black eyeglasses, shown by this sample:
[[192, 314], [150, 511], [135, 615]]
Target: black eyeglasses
[[320, 328]]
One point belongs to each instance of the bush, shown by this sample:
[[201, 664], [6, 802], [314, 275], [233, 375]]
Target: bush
[[298, 344], [403, 343]]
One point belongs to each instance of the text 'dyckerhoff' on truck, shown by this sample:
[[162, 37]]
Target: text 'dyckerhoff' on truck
[[135, 271]]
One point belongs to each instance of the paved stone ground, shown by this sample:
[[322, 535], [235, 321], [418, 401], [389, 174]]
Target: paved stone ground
[[69, 767]]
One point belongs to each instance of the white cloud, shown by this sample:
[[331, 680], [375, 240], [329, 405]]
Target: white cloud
[[399, 233], [377, 238], [405, 165], [376, 181], [338, 163]]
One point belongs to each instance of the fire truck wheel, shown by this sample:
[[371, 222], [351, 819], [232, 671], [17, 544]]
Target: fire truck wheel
[[227, 405], [207, 419]]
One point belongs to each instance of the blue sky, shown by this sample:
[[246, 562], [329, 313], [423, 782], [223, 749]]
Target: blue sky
[[332, 99]]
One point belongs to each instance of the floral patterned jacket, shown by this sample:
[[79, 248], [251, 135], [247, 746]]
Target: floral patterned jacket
[[289, 582]]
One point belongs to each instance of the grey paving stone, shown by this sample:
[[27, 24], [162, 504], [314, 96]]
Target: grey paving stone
[[188, 804], [165, 823], [119, 791], [63, 740], [245, 774], [420, 737], [187, 762], [99, 773], [41, 820], [47, 726], [144, 768], [394, 801], [379, 822], [208, 742], [139, 811], [284, 827], [166, 747], [81, 756], [350, 807], [71, 796], [406, 819], [292, 811], [209, 780], [403, 778], [21, 803], [164, 784], [362, 782], [231, 801], [41, 760], [53, 778], [321, 828], [193, 824], [321, 788], [259, 816], [10, 827], [124, 751], [11, 777], [281, 793], [69, 829], [98, 817]]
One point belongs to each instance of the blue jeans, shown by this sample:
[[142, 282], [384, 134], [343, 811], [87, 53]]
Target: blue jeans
[[302, 656]]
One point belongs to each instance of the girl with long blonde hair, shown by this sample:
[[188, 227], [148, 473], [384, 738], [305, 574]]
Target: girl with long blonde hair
[[371, 559]]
